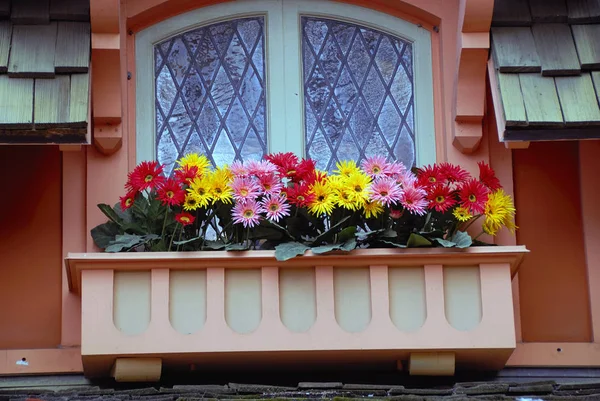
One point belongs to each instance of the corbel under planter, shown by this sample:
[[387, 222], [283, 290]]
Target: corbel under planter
[[431, 310]]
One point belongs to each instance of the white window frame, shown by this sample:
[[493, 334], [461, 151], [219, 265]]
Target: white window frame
[[284, 88]]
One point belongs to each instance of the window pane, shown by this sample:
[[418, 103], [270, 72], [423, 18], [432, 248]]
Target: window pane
[[210, 93], [358, 93]]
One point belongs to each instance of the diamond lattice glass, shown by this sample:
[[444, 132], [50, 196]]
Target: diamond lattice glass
[[210, 93], [358, 86]]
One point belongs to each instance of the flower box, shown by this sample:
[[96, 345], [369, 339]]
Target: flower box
[[432, 309]]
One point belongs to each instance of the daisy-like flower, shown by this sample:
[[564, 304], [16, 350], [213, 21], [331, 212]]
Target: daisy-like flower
[[298, 194], [414, 200], [275, 207], [270, 184], [359, 185], [395, 168], [260, 167], [170, 193], [316, 175], [473, 195], [184, 218], [488, 177], [322, 201], [191, 202], [440, 198], [247, 213], [238, 169], [343, 199], [453, 173], [244, 189], [194, 159], [499, 211], [186, 174], [372, 209], [406, 179], [386, 191], [462, 214], [146, 175], [127, 200], [305, 170], [429, 176], [396, 213], [201, 187], [220, 190], [375, 166], [286, 163], [345, 168]]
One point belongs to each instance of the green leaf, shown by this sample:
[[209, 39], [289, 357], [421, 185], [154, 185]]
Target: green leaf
[[348, 245], [189, 241], [318, 250], [125, 242], [263, 232], [462, 239], [394, 244], [216, 245], [444, 243], [416, 240], [236, 247], [280, 228], [329, 233], [347, 234], [104, 234], [110, 213], [125, 215], [289, 250]]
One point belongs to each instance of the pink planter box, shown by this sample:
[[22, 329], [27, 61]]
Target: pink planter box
[[438, 309]]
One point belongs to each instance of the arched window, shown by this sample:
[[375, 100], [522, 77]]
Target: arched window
[[321, 79]]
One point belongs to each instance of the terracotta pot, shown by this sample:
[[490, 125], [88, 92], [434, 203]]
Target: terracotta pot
[[434, 308]]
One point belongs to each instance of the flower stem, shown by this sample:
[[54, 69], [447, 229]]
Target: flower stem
[[472, 221], [162, 235], [180, 234], [173, 236]]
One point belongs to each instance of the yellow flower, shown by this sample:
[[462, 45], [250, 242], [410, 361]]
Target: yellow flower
[[462, 214], [499, 211], [358, 185], [323, 199], [201, 187], [372, 209], [219, 186], [346, 167], [194, 159], [191, 202], [343, 199]]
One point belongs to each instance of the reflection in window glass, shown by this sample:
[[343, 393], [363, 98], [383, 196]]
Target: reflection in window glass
[[210, 93], [358, 93]]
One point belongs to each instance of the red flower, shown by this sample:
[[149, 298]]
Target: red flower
[[127, 200], [298, 195], [473, 195], [305, 170], [184, 218], [315, 176], [186, 174], [488, 177], [286, 163], [171, 193], [440, 198], [453, 173], [429, 176], [145, 175]]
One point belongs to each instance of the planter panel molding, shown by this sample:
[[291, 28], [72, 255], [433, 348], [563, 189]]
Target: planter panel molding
[[431, 311]]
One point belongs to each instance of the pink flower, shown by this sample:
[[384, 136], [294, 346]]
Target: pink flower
[[270, 184], [275, 207], [406, 179], [260, 167], [386, 191], [375, 166], [395, 169], [238, 169], [244, 189], [413, 200], [247, 213]]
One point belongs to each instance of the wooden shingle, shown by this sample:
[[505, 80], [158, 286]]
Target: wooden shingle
[[583, 11], [5, 35], [596, 80], [70, 10], [16, 102], [555, 46], [72, 47], [30, 12], [587, 40], [51, 102], [548, 10], [514, 49], [541, 100], [32, 51], [79, 100], [512, 100], [511, 13], [578, 100], [4, 8]]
